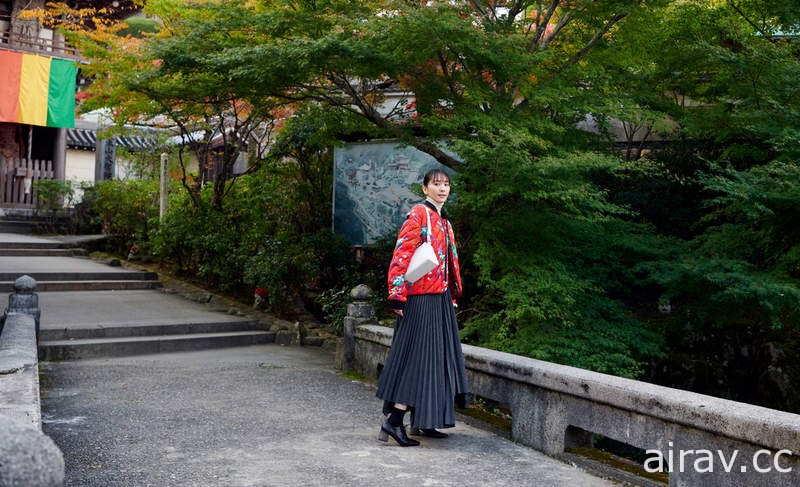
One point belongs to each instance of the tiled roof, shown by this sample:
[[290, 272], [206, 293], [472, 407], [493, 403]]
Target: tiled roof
[[87, 139]]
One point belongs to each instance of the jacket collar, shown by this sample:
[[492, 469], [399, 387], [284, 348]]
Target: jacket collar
[[433, 207]]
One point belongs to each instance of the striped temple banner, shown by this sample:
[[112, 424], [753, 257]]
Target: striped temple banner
[[37, 90]]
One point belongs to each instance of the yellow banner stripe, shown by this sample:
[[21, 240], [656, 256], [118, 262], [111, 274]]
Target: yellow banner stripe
[[34, 89]]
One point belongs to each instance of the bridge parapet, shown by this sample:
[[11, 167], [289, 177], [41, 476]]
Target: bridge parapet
[[27, 456], [701, 440]]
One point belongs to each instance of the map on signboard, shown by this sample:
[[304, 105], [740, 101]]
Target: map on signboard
[[374, 186]]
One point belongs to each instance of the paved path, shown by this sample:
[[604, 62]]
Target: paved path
[[264, 415], [258, 416]]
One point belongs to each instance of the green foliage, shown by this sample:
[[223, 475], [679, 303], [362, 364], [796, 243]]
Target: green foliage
[[552, 255], [125, 210], [270, 234], [285, 266], [567, 247], [201, 242], [54, 194], [370, 270], [140, 27], [743, 270]]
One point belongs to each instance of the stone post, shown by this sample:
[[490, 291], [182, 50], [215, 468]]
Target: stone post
[[24, 300], [360, 311]]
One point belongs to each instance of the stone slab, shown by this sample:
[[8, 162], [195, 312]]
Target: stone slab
[[19, 373], [23, 265], [41, 252], [84, 285], [123, 308], [118, 275], [18, 237], [142, 345], [140, 330]]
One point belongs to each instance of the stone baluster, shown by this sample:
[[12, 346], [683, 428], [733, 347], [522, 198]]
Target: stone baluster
[[359, 312], [24, 300]]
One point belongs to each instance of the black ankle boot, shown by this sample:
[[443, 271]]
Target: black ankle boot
[[396, 432], [429, 432]]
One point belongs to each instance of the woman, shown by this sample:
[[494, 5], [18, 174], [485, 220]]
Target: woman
[[425, 366]]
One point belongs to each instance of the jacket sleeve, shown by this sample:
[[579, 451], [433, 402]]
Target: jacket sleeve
[[409, 238], [456, 285]]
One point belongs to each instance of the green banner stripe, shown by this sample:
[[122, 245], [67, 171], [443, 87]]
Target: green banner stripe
[[61, 94]]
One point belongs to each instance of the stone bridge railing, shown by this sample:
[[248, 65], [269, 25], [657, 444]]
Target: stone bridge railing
[[701, 440], [28, 458]]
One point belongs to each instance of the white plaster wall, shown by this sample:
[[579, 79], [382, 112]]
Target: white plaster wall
[[79, 169], [79, 165]]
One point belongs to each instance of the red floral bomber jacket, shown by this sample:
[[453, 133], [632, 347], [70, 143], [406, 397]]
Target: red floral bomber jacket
[[411, 236]]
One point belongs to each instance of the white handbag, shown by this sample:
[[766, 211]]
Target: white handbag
[[424, 259]]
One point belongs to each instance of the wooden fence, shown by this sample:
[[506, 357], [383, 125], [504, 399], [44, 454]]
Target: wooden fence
[[16, 181]]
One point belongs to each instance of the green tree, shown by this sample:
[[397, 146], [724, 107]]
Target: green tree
[[569, 246], [725, 187], [165, 81]]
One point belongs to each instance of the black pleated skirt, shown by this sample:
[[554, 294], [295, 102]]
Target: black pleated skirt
[[425, 365]]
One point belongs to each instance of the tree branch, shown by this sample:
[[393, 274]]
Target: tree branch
[[562, 22], [438, 154], [541, 24], [446, 73], [753, 24], [594, 40]]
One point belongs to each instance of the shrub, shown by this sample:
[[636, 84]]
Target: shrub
[[125, 210], [54, 194]]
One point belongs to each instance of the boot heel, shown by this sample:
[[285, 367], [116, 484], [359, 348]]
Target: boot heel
[[383, 436]]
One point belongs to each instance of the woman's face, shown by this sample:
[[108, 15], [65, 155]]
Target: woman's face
[[437, 189]]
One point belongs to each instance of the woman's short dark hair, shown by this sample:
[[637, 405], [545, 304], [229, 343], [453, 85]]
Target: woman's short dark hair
[[433, 175]]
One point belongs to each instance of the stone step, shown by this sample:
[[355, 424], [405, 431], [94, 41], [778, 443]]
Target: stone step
[[121, 330], [44, 252], [86, 285], [125, 346], [14, 226], [82, 276], [36, 245]]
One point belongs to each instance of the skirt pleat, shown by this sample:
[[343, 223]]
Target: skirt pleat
[[425, 365]]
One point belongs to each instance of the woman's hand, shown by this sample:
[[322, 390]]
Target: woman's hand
[[398, 312]]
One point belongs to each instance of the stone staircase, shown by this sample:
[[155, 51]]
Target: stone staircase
[[45, 256], [90, 309], [27, 221], [16, 226], [42, 249], [78, 342], [73, 281]]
